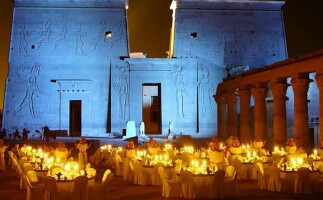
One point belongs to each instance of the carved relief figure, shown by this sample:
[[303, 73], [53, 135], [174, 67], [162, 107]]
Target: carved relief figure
[[116, 35], [31, 89], [100, 35], [61, 37], [44, 34], [180, 85], [122, 88], [23, 34], [206, 90], [79, 41]]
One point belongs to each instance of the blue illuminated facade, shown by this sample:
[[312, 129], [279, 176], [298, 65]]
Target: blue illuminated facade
[[65, 51]]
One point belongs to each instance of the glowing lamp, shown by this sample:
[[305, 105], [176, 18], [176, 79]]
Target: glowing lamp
[[67, 167], [76, 167], [315, 152]]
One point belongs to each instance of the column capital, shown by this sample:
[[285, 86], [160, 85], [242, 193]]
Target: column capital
[[219, 98], [259, 92], [319, 81], [279, 90], [300, 85], [231, 97], [244, 92]]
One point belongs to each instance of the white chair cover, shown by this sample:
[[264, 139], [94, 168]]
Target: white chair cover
[[274, 182], [218, 185], [100, 191], [51, 191], [22, 183], [32, 177], [139, 176], [91, 172], [170, 188], [230, 182], [303, 183], [80, 189], [126, 169], [34, 192], [262, 179], [188, 190], [119, 167], [27, 167], [155, 178]]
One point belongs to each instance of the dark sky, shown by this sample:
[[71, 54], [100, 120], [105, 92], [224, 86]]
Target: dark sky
[[149, 23]]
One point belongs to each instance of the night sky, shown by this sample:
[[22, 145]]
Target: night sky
[[149, 23]]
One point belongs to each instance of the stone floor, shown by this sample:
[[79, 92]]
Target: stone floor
[[9, 190]]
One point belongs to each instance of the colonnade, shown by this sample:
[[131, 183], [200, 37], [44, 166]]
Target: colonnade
[[256, 85]]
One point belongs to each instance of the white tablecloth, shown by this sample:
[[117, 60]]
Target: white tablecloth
[[288, 180], [153, 176]]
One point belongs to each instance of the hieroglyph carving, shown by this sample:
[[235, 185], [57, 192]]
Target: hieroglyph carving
[[23, 44], [206, 90], [122, 88], [44, 34], [180, 85], [61, 37], [31, 89], [116, 34], [100, 37], [79, 44]]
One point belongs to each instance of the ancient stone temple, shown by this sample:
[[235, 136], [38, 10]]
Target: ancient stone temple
[[70, 65]]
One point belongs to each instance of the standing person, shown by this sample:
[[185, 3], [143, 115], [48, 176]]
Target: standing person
[[46, 132], [82, 146], [16, 135], [3, 148], [3, 133], [25, 134]]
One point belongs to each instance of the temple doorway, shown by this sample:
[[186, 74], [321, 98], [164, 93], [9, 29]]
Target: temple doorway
[[75, 118], [151, 107]]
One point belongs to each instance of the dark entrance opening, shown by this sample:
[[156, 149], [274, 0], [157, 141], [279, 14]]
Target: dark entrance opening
[[151, 107], [75, 118]]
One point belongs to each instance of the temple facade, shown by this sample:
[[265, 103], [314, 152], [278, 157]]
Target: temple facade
[[70, 66]]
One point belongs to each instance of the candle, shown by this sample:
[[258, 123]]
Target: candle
[[67, 167], [76, 167], [315, 152]]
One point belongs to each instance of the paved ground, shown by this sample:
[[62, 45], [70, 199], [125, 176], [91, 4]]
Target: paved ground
[[9, 190]]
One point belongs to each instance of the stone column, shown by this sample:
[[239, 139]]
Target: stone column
[[245, 121], [232, 114], [319, 83], [222, 123], [260, 121], [280, 129], [300, 88]]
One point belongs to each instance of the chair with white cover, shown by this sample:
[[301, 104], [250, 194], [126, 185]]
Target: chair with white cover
[[27, 167], [100, 191], [138, 174], [237, 164], [80, 189], [274, 182], [188, 190], [22, 161], [155, 178], [51, 191], [32, 177], [303, 183], [218, 185], [34, 192], [91, 172], [262, 178], [14, 161], [118, 164], [230, 181], [22, 183], [170, 188], [126, 169]]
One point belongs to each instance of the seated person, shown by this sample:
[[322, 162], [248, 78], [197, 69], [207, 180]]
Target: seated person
[[229, 141], [216, 155], [214, 142], [62, 152], [48, 149], [258, 146], [15, 150], [153, 146], [130, 150], [236, 148], [291, 146], [301, 152], [23, 150]]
